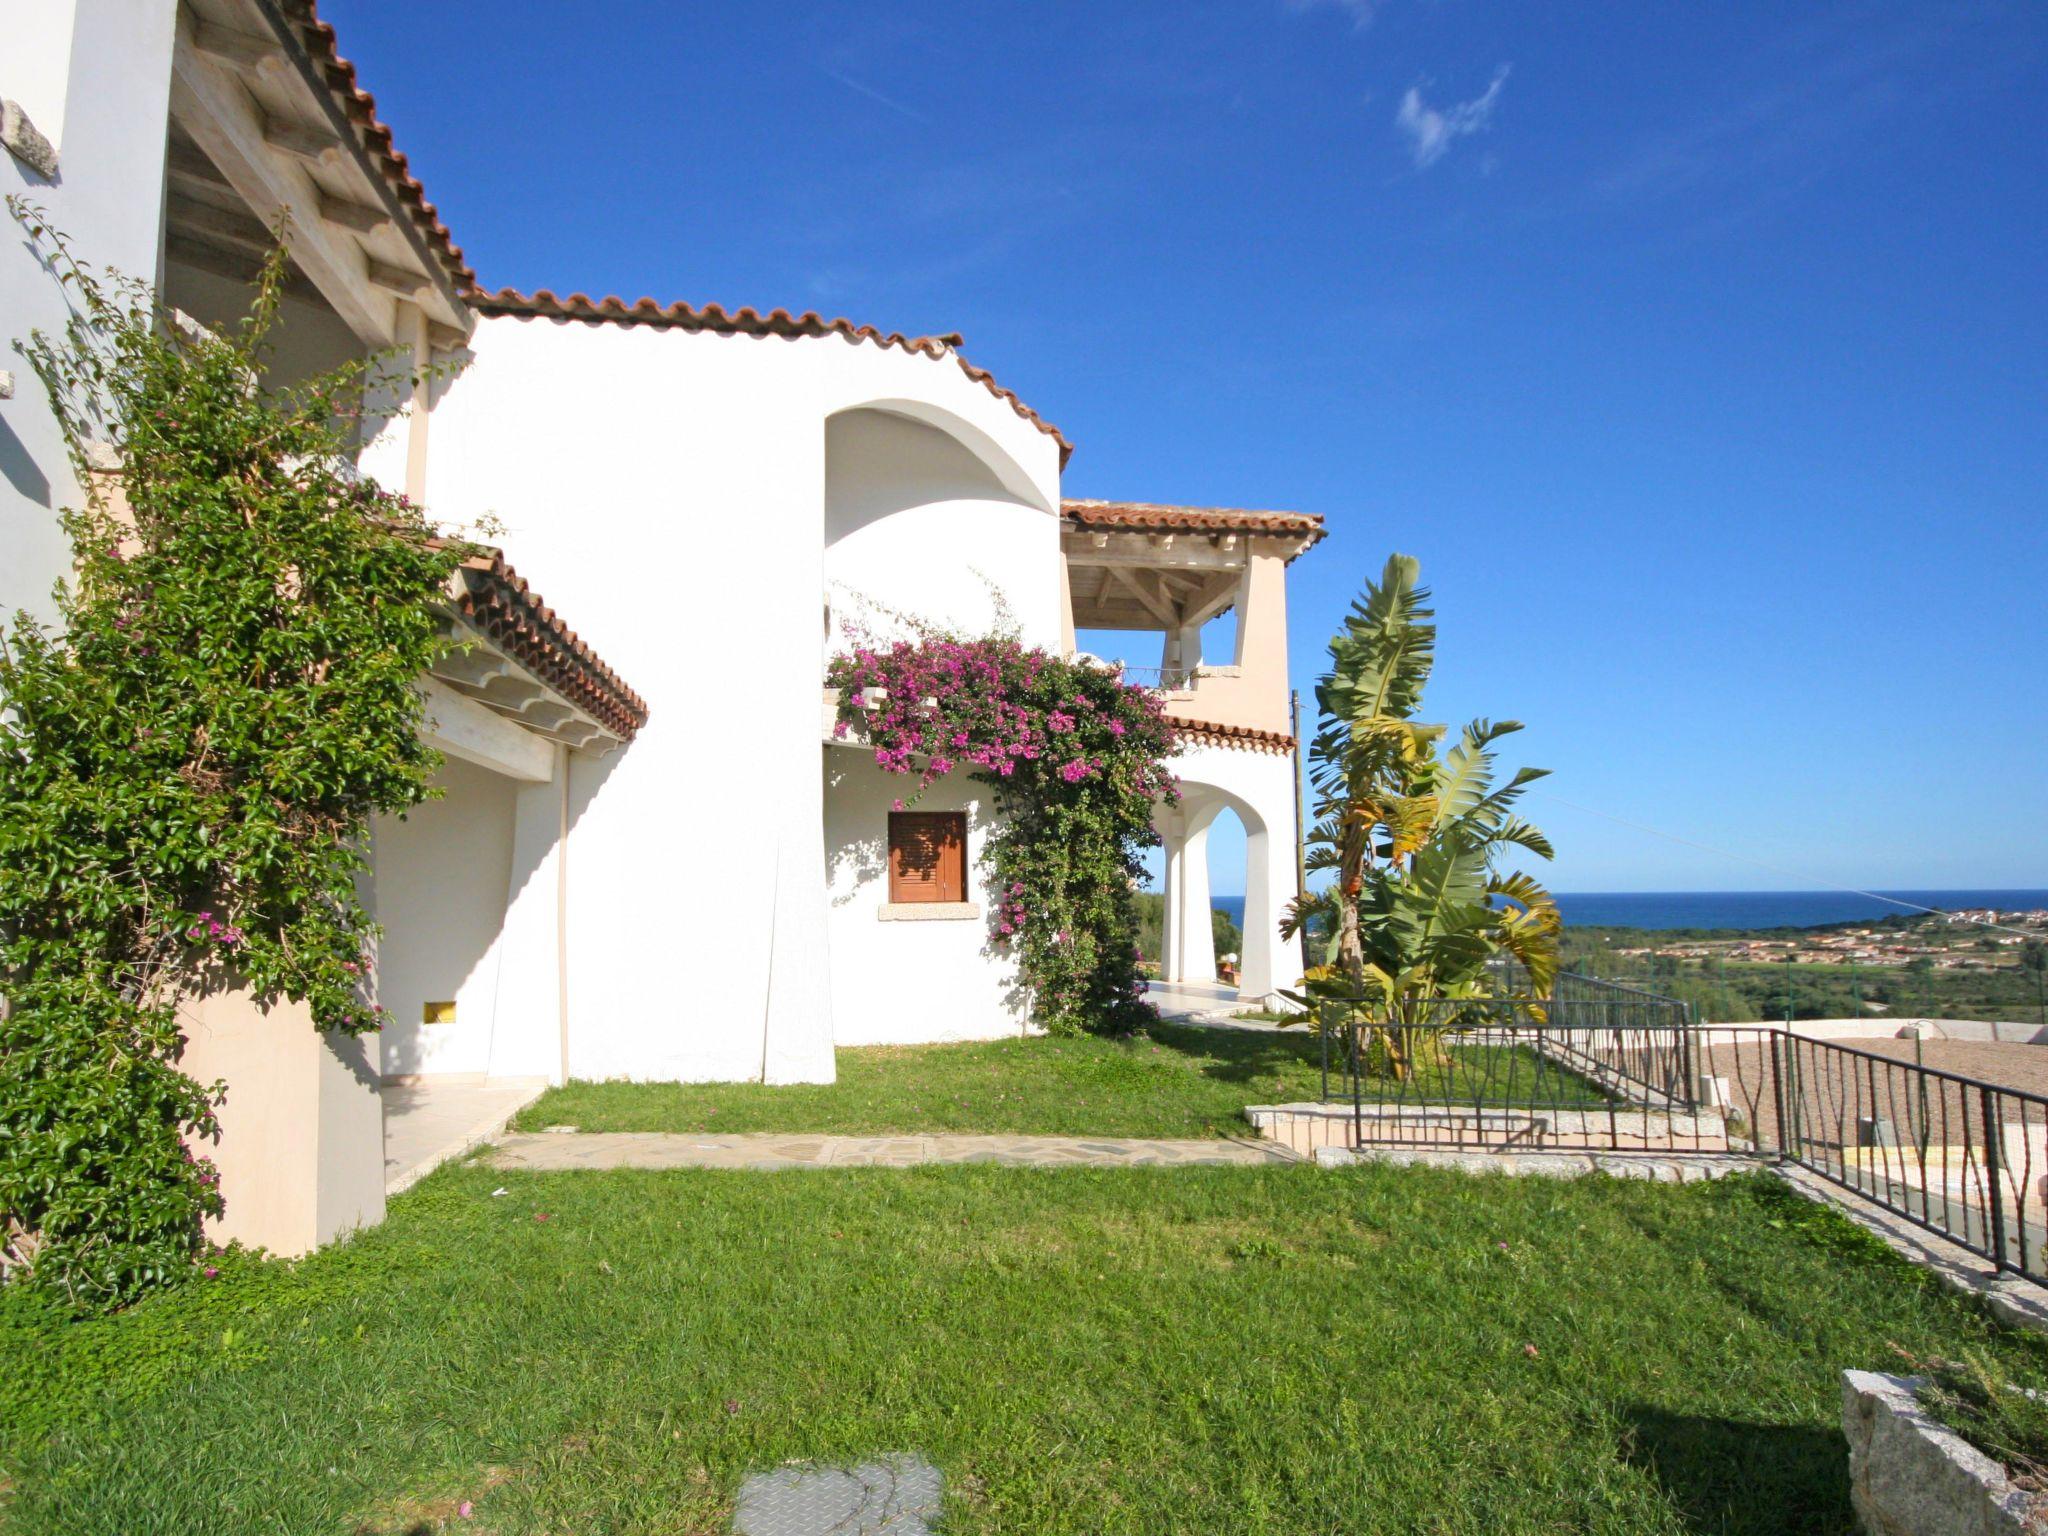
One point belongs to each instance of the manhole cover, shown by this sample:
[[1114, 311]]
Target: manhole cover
[[891, 1497]]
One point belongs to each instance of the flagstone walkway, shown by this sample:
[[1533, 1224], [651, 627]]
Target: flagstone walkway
[[549, 1152]]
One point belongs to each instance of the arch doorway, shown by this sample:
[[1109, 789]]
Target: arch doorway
[[1188, 951]]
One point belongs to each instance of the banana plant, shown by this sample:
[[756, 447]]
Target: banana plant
[[1414, 833]]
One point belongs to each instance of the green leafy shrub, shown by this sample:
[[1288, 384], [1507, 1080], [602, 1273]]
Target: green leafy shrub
[[188, 762]]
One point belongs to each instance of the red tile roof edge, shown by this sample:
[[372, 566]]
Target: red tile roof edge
[[1152, 516], [497, 601], [1249, 737], [360, 107], [544, 304]]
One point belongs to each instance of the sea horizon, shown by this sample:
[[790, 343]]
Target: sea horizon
[[1752, 909]]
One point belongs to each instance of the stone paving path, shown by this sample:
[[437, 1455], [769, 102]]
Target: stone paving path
[[429, 1121], [548, 1152], [897, 1496]]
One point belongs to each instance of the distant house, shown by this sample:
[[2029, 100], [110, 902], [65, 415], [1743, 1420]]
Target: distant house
[[652, 860]]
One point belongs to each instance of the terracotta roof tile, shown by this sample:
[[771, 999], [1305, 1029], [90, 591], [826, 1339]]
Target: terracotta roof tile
[[1248, 737], [495, 599], [611, 309], [1154, 517], [360, 107]]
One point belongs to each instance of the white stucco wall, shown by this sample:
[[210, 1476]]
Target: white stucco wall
[[666, 491], [113, 58], [442, 874], [36, 72], [915, 524], [908, 982]]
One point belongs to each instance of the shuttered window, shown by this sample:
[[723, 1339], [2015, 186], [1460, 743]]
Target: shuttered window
[[927, 856]]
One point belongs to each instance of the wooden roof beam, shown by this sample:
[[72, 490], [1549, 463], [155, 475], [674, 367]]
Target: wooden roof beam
[[213, 106], [244, 50], [186, 162], [349, 214], [295, 139], [398, 279], [1218, 595], [1156, 604]]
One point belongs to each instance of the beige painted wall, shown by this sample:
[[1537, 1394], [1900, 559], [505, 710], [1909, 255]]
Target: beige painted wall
[[1253, 691], [301, 1145]]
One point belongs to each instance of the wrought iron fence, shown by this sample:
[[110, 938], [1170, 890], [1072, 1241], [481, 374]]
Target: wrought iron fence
[[1599, 1068], [1590, 1069], [1962, 1157]]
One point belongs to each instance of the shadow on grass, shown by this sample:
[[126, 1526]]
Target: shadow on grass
[[1491, 1076], [1238, 1055], [1734, 1476]]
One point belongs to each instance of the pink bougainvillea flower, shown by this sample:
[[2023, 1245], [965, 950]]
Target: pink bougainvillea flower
[[466, 1509]]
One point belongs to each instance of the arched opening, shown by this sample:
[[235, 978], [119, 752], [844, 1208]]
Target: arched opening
[[1216, 846], [920, 523]]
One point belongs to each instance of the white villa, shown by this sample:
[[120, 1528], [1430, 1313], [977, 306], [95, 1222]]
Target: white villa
[[652, 859]]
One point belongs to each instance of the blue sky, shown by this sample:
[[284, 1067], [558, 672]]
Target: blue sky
[[1699, 352]]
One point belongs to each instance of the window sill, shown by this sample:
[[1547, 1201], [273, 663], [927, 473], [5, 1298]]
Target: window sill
[[929, 911]]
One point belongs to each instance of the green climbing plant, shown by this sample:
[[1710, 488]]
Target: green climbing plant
[[189, 758]]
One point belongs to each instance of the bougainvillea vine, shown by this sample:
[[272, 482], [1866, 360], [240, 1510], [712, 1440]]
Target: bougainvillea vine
[[1077, 761]]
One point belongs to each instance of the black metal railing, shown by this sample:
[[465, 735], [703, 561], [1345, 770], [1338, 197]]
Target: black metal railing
[[1599, 1068], [1588, 1069], [1959, 1156]]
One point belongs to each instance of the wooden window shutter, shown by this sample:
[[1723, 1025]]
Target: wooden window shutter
[[927, 856]]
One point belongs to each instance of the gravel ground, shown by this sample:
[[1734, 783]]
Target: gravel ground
[[2010, 1066], [1839, 1088]]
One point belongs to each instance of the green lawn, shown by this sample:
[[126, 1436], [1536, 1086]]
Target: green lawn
[[1174, 1081], [1081, 1351]]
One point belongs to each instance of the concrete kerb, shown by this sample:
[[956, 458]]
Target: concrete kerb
[[1663, 1168], [454, 1149], [2013, 1300], [547, 1152]]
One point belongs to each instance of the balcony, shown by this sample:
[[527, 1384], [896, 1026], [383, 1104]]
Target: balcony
[[1155, 576]]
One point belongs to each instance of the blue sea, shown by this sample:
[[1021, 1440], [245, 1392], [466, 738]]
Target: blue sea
[[1744, 909]]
